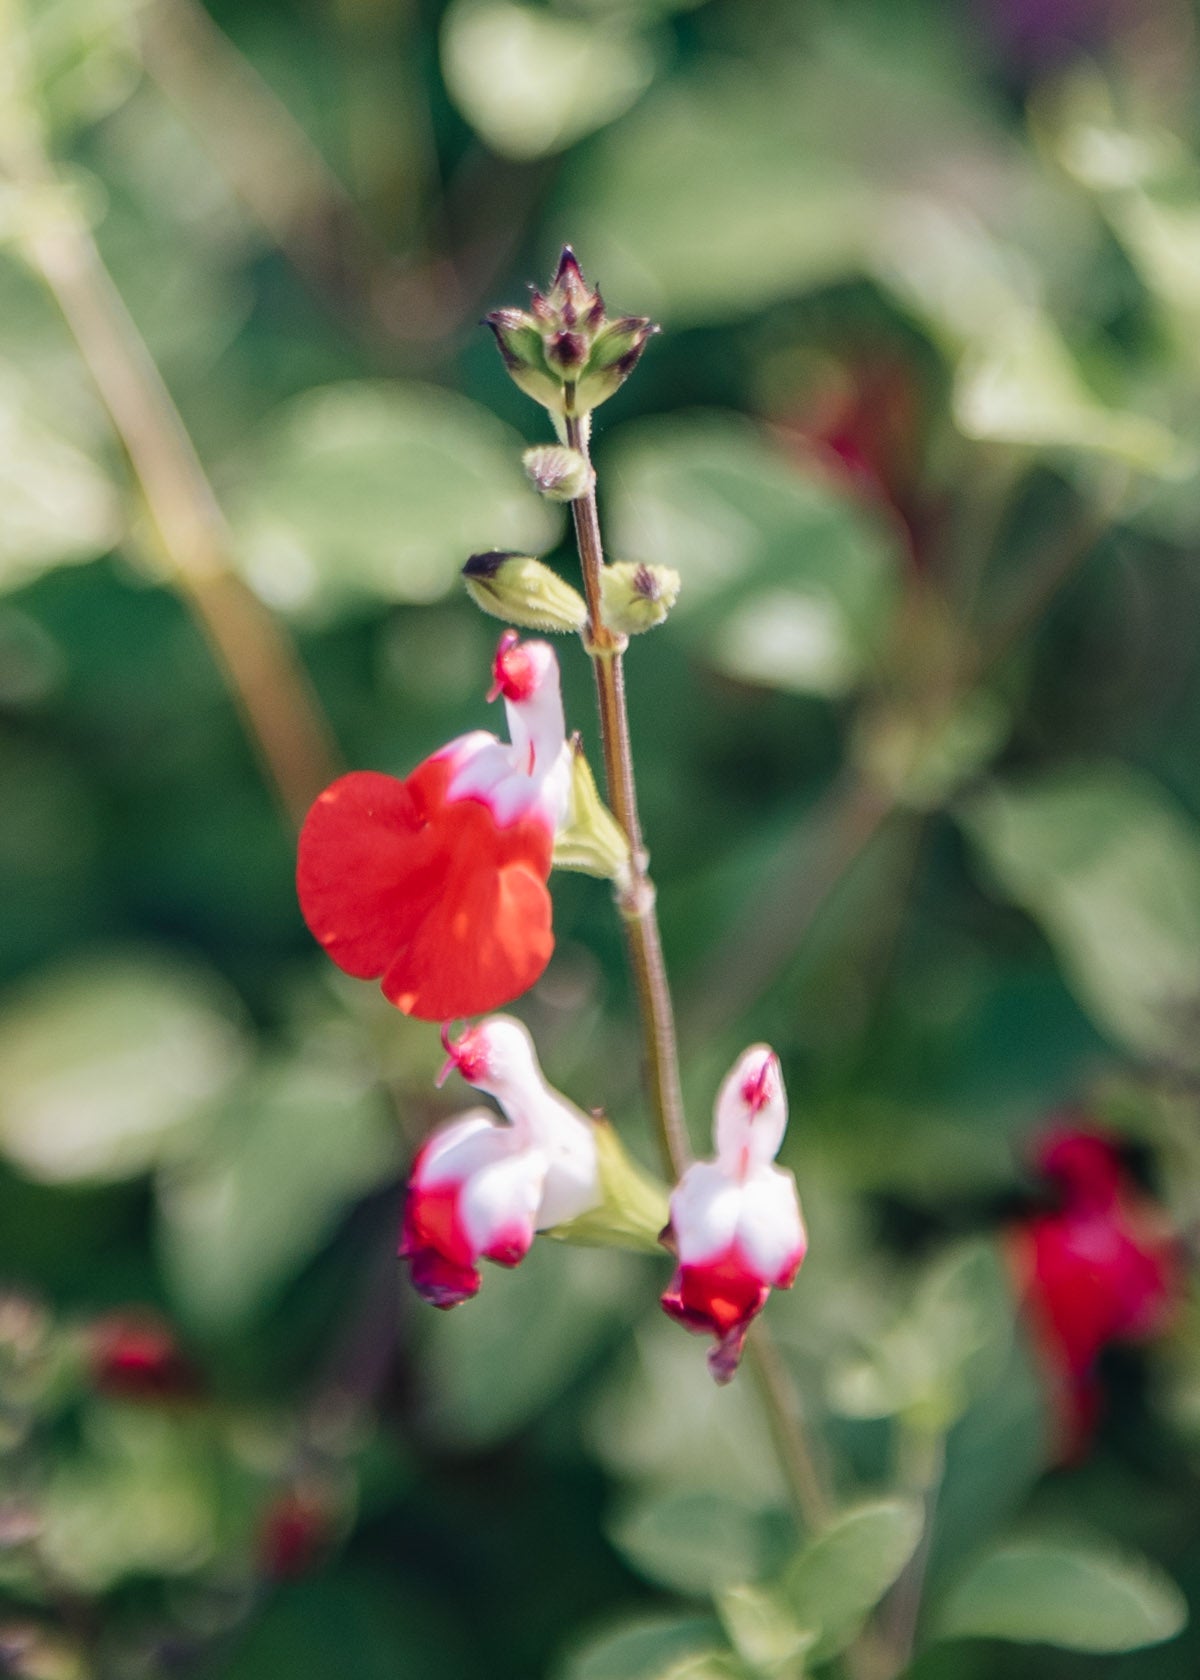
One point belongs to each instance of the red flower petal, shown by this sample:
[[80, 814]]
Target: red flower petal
[[449, 908]]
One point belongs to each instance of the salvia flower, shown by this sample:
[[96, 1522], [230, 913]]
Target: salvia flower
[[564, 351], [481, 1186], [736, 1225], [1103, 1266], [436, 885]]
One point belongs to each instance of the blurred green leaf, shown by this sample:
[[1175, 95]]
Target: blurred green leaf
[[136, 1498], [85, 57], [289, 1150], [787, 582], [108, 1061], [1083, 1596], [531, 81], [652, 1648], [692, 1540], [58, 505], [663, 1419], [951, 1342], [1110, 869], [378, 491], [763, 1631], [840, 1576], [502, 1359]]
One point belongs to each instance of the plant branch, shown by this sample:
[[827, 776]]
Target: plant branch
[[636, 897], [806, 1481], [261, 667]]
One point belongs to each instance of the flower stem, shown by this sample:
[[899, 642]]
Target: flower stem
[[253, 650], [636, 903], [635, 898]]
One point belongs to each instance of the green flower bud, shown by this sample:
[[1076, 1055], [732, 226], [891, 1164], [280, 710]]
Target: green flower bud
[[634, 1207], [636, 597], [564, 351], [593, 841], [524, 592], [559, 473]]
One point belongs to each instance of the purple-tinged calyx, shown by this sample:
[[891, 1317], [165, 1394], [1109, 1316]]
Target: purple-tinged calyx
[[564, 351]]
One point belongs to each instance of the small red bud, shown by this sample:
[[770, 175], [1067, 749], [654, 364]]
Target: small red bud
[[136, 1356]]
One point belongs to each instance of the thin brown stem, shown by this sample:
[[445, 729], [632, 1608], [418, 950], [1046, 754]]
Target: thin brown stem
[[635, 898], [256, 655]]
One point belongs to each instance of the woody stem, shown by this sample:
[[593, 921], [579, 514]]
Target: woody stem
[[635, 896], [255, 653]]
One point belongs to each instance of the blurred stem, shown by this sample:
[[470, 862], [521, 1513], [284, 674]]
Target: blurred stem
[[782, 1403], [636, 897], [923, 1459], [258, 660]]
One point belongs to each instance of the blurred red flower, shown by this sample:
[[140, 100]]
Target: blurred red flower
[[1103, 1266]]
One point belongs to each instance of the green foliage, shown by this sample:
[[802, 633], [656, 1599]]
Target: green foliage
[[839, 1576], [373, 491], [1083, 1596], [659, 1649], [109, 1061], [784, 582], [695, 1542], [1111, 871]]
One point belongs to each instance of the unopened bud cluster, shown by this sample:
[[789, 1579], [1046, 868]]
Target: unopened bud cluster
[[558, 473], [564, 351]]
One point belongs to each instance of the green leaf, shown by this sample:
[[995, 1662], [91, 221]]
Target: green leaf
[[648, 1649], [137, 1497], [763, 1631], [58, 506], [1083, 1596], [788, 583], [501, 1359], [376, 490], [108, 1061], [1110, 870], [531, 81], [693, 1541], [291, 1148], [841, 1575]]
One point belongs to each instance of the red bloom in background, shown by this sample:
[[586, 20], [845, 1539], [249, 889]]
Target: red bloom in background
[[1102, 1267], [436, 885], [135, 1355]]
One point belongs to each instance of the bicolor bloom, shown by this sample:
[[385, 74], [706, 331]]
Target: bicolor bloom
[[481, 1186], [436, 885], [1103, 1266], [736, 1225]]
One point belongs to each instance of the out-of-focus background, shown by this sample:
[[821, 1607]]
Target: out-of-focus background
[[918, 763]]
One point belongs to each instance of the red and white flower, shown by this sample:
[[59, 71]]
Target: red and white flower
[[480, 1188], [735, 1223], [436, 885], [1103, 1266]]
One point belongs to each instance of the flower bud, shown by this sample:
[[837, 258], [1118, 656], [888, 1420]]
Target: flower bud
[[635, 597], [592, 841], [523, 591], [563, 351], [557, 472]]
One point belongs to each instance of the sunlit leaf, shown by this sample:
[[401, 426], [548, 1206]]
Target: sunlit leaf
[[108, 1061], [763, 1630], [651, 1648], [840, 1576], [1083, 1596], [1110, 869], [292, 1147], [531, 81], [58, 506], [788, 583], [378, 491], [693, 1541]]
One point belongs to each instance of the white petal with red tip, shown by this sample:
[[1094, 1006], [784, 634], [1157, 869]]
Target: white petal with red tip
[[750, 1115]]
